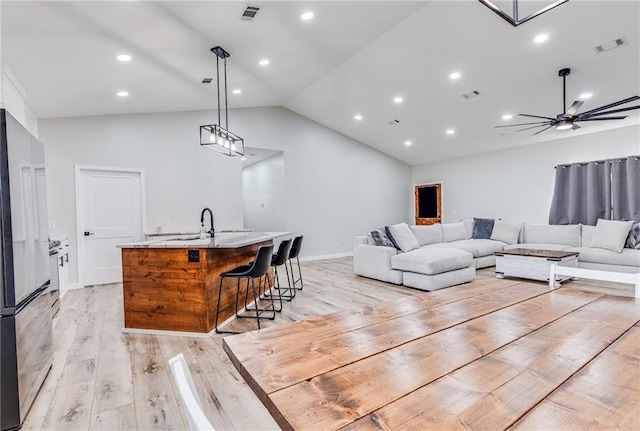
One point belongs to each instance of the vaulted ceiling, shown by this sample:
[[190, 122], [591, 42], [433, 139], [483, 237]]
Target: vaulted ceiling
[[351, 58]]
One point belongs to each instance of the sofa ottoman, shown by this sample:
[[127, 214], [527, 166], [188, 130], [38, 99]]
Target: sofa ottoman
[[430, 268]]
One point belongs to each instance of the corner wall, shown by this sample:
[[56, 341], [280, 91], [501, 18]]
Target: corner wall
[[517, 184], [335, 187]]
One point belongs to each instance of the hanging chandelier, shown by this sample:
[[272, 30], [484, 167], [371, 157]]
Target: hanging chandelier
[[214, 136], [513, 17]]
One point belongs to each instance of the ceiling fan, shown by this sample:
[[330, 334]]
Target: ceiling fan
[[570, 116]]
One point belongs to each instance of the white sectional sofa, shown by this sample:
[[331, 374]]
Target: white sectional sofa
[[446, 256]]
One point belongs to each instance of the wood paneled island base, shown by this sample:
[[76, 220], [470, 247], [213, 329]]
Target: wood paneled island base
[[164, 290], [467, 357]]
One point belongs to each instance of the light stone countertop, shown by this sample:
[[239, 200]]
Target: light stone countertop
[[222, 240]]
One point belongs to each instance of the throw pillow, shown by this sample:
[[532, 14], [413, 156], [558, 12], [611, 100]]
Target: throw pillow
[[633, 240], [610, 234], [482, 228], [380, 237], [506, 232], [403, 236], [426, 235], [453, 232], [391, 238]]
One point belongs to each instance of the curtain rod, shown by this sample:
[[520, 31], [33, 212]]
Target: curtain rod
[[620, 160]]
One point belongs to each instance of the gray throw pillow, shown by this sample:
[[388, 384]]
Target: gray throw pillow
[[403, 236], [380, 237], [633, 240], [611, 234], [506, 232], [482, 228]]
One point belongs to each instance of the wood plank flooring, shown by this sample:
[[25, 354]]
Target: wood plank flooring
[[103, 379]]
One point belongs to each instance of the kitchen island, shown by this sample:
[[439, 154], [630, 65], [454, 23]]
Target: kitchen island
[[172, 285]]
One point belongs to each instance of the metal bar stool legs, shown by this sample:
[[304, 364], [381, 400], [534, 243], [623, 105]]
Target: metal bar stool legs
[[279, 259], [294, 254], [256, 270]]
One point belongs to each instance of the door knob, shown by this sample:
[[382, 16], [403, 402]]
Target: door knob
[[87, 233]]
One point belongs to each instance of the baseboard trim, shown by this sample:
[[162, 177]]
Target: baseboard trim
[[325, 256], [73, 286]]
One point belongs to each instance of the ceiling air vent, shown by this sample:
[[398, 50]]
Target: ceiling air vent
[[608, 46], [393, 122], [250, 12], [207, 80], [471, 94]]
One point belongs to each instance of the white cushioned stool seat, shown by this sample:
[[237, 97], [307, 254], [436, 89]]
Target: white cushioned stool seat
[[431, 261]]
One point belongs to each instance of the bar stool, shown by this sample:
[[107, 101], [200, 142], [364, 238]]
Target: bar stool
[[293, 254], [258, 269], [279, 259]]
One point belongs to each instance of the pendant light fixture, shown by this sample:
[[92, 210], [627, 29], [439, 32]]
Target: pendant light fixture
[[214, 136], [514, 18]]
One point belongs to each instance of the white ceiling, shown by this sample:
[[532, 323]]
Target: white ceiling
[[353, 57]]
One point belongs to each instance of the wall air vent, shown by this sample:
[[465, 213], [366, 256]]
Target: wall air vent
[[207, 80], [608, 46], [471, 94], [250, 12]]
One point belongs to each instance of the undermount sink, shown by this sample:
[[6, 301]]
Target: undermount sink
[[186, 241]]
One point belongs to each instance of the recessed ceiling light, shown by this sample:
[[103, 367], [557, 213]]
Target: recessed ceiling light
[[585, 96], [243, 159], [124, 57], [306, 16], [507, 117], [408, 143], [122, 93], [357, 117], [455, 75], [263, 62], [237, 91], [541, 38], [398, 99], [450, 132]]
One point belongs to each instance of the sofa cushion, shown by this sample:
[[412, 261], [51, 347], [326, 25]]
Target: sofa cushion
[[587, 234], [477, 247], [539, 246], [568, 235], [628, 256], [468, 224], [430, 261], [427, 234], [453, 232], [403, 237], [611, 234], [482, 228], [633, 240], [506, 232]]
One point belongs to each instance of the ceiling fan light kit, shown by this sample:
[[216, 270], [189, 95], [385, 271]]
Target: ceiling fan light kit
[[570, 117], [214, 136]]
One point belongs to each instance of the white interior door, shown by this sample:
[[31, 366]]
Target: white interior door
[[110, 213]]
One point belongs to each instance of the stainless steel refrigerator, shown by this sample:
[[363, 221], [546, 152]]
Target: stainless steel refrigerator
[[26, 344]]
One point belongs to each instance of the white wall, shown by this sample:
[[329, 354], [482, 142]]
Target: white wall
[[517, 184], [335, 187], [263, 195]]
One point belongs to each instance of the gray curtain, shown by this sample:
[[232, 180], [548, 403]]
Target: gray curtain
[[582, 193], [625, 184]]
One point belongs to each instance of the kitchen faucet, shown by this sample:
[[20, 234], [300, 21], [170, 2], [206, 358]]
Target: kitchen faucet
[[212, 231]]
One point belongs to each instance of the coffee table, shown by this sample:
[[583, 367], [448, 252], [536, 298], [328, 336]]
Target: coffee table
[[533, 264]]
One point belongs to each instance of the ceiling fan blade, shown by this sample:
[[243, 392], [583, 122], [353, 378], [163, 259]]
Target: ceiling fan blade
[[601, 118], [573, 109], [536, 116], [546, 128], [520, 130], [611, 105], [521, 124], [613, 111]]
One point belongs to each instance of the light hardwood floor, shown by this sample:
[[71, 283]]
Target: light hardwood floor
[[103, 379]]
